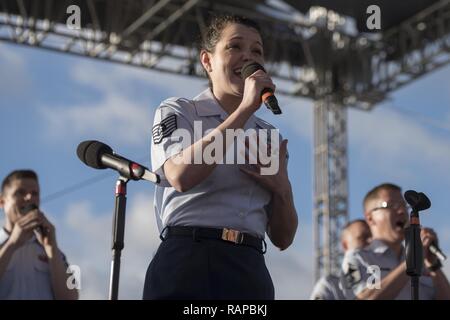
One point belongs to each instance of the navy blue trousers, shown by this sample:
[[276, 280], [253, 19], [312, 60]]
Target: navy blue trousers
[[207, 269]]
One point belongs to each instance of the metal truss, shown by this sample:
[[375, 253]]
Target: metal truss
[[330, 184], [160, 35]]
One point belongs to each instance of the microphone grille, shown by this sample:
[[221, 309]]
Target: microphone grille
[[424, 200], [417, 200], [250, 68], [412, 197], [91, 151]]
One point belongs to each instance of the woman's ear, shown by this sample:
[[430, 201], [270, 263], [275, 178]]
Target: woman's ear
[[205, 59]]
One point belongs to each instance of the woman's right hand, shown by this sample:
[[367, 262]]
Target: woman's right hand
[[253, 86]]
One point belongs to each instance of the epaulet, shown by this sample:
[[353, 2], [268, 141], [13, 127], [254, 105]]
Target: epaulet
[[178, 103], [177, 99], [264, 123]]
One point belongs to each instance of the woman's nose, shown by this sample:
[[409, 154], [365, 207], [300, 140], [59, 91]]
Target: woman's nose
[[246, 55]]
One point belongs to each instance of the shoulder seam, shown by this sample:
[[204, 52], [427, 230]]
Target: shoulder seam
[[265, 122], [176, 99]]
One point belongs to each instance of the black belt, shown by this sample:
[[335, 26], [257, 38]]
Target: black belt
[[224, 234]]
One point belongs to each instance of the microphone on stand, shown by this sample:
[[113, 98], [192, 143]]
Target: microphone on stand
[[98, 155], [420, 201]]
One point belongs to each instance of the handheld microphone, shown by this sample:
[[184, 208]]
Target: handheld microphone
[[29, 207], [98, 155], [267, 95], [434, 249]]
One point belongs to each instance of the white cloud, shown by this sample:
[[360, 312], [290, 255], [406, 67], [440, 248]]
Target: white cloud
[[12, 64], [92, 251], [297, 115], [292, 270], [115, 116], [384, 140], [123, 79], [120, 112], [388, 141]]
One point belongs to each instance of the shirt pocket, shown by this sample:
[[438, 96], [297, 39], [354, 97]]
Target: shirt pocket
[[40, 265]]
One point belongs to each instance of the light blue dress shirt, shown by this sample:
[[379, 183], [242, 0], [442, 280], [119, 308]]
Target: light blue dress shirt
[[227, 198]]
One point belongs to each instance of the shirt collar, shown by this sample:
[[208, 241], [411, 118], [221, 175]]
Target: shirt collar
[[379, 246], [4, 236], [261, 124], [206, 105]]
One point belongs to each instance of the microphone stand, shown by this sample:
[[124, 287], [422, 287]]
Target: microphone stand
[[100, 156], [414, 253], [134, 172], [118, 232]]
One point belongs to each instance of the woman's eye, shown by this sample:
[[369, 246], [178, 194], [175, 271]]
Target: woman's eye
[[257, 52], [233, 46]]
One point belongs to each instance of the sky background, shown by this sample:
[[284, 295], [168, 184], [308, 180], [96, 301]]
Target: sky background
[[50, 102]]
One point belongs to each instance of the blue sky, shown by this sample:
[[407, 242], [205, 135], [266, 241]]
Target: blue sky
[[50, 102]]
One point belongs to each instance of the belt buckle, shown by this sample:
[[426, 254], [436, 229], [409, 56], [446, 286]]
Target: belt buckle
[[232, 235]]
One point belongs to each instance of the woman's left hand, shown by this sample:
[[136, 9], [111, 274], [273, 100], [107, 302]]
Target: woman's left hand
[[278, 182]]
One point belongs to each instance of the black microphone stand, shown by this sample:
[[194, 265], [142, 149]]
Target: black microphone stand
[[134, 172], [414, 249], [118, 232], [98, 155], [414, 253]]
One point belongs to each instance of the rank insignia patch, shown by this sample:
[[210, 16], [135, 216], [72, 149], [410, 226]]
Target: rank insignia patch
[[164, 128], [352, 276]]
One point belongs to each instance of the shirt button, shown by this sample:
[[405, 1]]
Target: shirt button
[[241, 214]]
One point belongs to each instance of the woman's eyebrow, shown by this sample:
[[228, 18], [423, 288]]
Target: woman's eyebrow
[[240, 38]]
